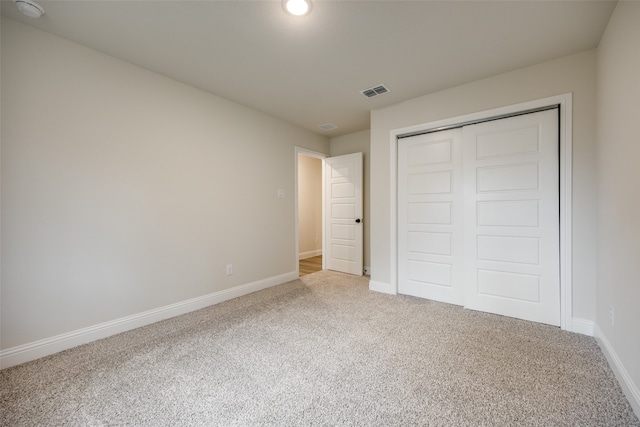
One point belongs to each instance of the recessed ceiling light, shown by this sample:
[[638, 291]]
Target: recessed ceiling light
[[29, 8], [297, 7]]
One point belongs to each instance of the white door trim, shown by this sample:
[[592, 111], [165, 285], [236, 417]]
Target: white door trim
[[565, 101], [317, 155]]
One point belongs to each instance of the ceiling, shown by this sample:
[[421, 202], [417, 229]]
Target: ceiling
[[310, 70]]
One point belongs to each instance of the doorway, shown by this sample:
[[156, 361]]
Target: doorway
[[328, 210], [309, 211]]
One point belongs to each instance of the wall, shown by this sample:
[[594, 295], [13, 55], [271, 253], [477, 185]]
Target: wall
[[1, 299], [124, 191], [575, 73], [309, 206], [618, 152], [359, 142]]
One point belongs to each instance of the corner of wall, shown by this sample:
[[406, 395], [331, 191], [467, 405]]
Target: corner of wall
[[582, 326], [382, 287], [629, 387], [618, 234]]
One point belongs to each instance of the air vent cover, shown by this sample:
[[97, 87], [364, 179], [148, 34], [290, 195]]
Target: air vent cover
[[328, 126], [375, 91]]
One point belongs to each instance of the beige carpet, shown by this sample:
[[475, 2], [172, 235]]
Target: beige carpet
[[323, 350]]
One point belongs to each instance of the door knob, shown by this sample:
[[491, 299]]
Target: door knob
[[358, 220]]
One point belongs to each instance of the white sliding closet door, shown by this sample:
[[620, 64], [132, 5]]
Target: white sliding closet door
[[478, 216], [430, 216], [512, 221]]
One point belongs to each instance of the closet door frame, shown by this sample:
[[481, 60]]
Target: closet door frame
[[565, 104]]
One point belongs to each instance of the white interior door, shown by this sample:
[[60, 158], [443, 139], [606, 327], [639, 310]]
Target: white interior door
[[478, 217], [343, 248], [430, 221], [511, 231]]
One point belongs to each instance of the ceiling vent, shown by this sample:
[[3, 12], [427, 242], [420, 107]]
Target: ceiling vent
[[375, 91], [328, 126]]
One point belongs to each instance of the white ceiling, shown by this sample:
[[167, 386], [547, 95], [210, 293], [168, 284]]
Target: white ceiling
[[309, 70]]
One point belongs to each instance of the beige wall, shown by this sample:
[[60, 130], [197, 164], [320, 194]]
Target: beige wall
[[309, 206], [358, 142], [618, 154], [124, 191], [575, 73]]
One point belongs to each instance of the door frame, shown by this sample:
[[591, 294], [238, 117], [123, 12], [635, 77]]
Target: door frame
[[317, 155], [565, 103]]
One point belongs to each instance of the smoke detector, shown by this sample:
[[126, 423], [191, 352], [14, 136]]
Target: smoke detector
[[328, 126], [375, 91], [29, 8]]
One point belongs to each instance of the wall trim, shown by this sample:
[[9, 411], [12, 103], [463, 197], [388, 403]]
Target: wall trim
[[37, 349], [309, 254], [565, 101], [582, 326], [385, 288], [630, 389]]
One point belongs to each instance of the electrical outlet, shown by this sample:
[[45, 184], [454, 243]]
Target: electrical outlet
[[612, 315], [229, 269]]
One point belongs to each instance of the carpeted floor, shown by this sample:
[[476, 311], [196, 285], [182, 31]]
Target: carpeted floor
[[323, 350]]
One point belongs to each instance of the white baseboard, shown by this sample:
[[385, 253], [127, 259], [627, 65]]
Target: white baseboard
[[37, 349], [629, 388], [385, 288], [309, 254], [582, 326]]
